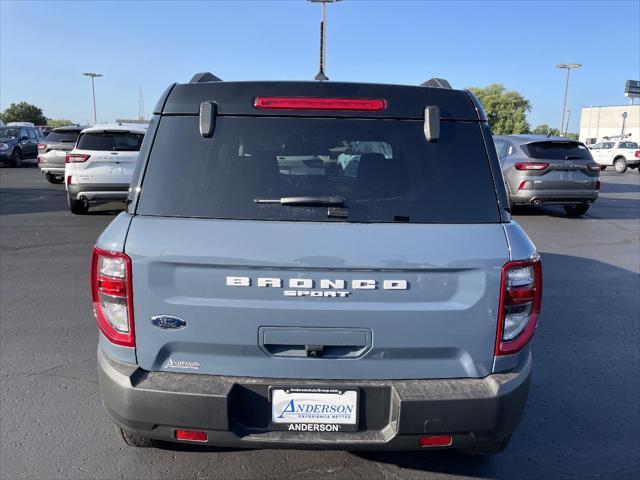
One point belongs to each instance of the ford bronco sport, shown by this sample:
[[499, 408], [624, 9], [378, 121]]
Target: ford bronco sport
[[303, 265]]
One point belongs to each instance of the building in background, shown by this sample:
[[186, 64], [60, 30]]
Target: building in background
[[604, 123]]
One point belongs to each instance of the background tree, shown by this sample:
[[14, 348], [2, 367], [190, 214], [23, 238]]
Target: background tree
[[545, 129], [506, 110], [58, 122], [24, 112]]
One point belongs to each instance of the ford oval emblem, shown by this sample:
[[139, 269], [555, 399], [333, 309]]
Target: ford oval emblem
[[167, 322]]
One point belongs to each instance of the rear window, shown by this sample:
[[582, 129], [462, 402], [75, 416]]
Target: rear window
[[110, 141], [62, 137], [557, 151], [384, 169]]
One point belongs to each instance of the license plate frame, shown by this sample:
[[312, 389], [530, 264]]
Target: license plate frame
[[285, 414]]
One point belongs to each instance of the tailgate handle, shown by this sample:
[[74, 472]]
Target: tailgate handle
[[315, 342]]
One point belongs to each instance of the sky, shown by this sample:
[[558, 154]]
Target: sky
[[46, 45]]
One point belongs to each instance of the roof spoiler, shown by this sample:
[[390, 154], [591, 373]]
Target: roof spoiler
[[204, 77], [437, 83]]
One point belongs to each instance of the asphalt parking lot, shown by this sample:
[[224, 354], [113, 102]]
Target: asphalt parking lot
[[583, 414]]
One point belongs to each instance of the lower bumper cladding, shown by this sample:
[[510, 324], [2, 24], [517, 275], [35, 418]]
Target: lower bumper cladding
[[235, 411]]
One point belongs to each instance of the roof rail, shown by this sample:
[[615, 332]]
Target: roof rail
[[437, 83], [204, 77]]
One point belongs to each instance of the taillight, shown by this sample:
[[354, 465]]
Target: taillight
[[637, 154], [435, 440], [316, 103], [594, 167], [520, 299], [42, 146], [522, 186], [531, 165], [191, 435], [113, 295], [76, 158]]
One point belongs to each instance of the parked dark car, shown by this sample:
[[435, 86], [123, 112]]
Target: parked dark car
[[45, 129], [18, 143], [53, 150]]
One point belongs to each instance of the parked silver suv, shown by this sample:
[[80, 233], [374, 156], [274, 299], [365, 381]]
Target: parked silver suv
[[542, 170], [53, 150], [301, 265]]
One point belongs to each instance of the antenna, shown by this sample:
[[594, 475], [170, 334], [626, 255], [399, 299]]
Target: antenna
[[323, 35], [141, 115]]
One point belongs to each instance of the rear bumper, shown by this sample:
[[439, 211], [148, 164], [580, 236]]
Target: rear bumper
[[51, 168], [554, 197], [99, 191], [234, 411]]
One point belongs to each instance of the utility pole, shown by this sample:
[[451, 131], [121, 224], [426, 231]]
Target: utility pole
[[624, 120], [141, 114], [323, 29], [566, 129], [568, 67], [93, 90]]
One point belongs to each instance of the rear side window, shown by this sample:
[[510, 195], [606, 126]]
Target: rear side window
[[557, 151], [110, 141], [384, 169], [62, 137], [628, 145]]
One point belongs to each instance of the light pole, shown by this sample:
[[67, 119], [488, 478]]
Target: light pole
[[321, 75], [567, 67], [93, 90]]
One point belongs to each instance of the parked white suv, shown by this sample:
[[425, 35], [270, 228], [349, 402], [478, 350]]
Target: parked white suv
[[100, 166], [619, 154]]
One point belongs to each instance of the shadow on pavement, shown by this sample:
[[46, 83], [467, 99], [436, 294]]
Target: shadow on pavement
[[32, 200], [620, 187], [16, 201], [603, 208], [582, 416]]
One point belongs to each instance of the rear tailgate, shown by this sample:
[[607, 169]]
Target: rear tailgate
[[442, 325], [112, 156], [568, 165], [107, 167]]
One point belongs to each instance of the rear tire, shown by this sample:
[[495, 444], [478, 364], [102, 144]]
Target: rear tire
[[492, 448], [620, 164], [16, 158], [51, 178], [576, 210], [77, 207], [133, 440]]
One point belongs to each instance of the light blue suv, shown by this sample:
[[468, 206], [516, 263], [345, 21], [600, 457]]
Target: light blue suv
[[302, 265]]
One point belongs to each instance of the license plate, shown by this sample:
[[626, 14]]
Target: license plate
[[314, 409], [61, 153]]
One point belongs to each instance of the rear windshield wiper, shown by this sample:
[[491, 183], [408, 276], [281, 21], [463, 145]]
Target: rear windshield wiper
[[330, 201], [574, 157]]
